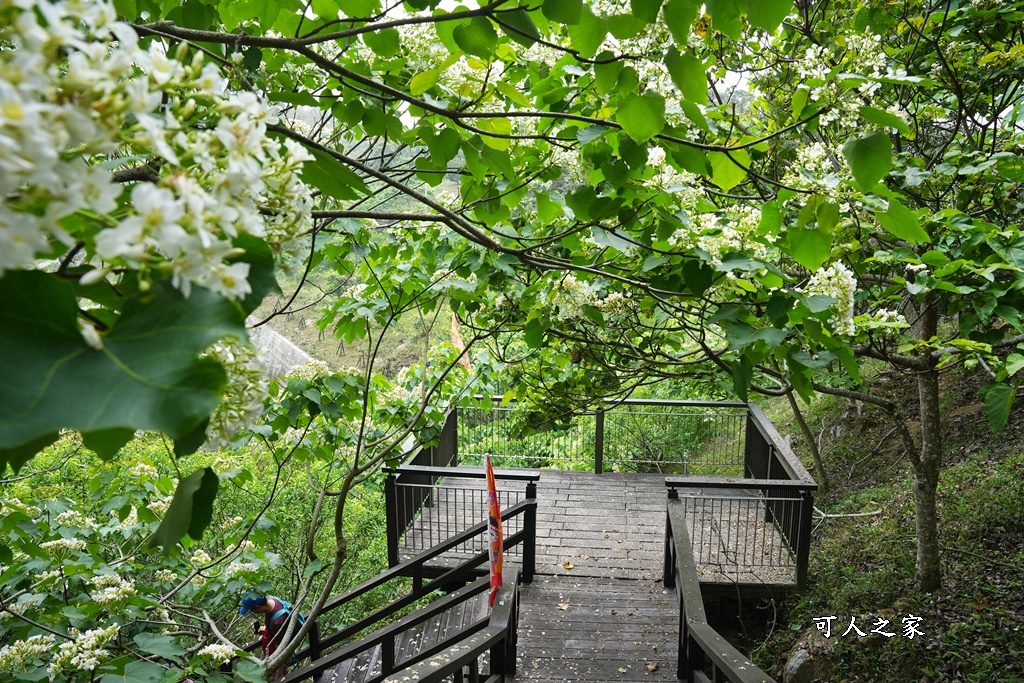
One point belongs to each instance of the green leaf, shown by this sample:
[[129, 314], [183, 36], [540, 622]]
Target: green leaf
[[646, 10], [249, 671], [727, 173], [606, 75], [126, 9], [800, 101], [742, 375], [999, 400], [870, 158], [136, 672], [566, 12], [1014, 364], [520, 27], [107, 442], [903, 223], [477, 38], [444, 146], [324, 9], [234, 13], [768, 14], [533, 333], [679, 17], [885, 118], [725, 16], [363, 9], [159, 645], [688, 74], [332, 177], [642, 116], [498, 126], [190, 512], [547, 210], [384, 42], [690, 159], [587, 34], [810, 247], [625, 26], [147, 376], [698, 276], [424, 81]]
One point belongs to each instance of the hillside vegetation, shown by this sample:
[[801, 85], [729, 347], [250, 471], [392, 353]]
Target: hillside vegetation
[[862, 565]]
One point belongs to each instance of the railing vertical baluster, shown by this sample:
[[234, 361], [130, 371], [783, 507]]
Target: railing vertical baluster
[[530, 525], [599, 441], [803, 546], [387, 655], [391, 517]]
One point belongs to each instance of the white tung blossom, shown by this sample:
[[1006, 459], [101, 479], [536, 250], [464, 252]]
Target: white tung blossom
[[21, 655], [112, 589], [836, 281], [76, 88], [568, 297], [85, 651], [218, 653], [244, 394]]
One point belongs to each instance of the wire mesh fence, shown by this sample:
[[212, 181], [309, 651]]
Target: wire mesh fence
[[440, 510], [671, 437], [744, 536]]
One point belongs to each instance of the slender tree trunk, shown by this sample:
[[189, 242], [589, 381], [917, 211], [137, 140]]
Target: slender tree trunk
[[929, 463], [926, 481], [812, 444]]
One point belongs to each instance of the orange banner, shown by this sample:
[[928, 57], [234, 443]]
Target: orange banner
[[497, 544], [458, 343]]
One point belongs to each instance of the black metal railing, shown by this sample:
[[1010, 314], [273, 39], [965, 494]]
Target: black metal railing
[[627, 435], [425, 581], [704, 655], [428, 505], [761, 520], [462, 660]]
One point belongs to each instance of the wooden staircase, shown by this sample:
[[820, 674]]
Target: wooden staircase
[[462, 618]]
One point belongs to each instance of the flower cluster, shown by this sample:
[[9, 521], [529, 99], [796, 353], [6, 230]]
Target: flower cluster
[[112, 589], [200, 558], [313, 369], [615, 303], [61, 547], [244, 394], [85, 651], [74, 519], [568, 297], [160, 506], [165, 576], [219, 654], [12, 505], [22, 654], [721, 233], [77, 88], [836, 281], [144, 471], [816, 167]]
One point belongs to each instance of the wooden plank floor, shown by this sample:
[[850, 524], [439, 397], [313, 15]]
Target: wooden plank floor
[[597, 609]]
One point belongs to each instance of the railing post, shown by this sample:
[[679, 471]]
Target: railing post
[[599, 441], [530, 527], [668, 576], [387, 655], [803, 549], [391, 515]]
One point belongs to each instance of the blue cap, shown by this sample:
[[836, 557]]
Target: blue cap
[[251, 600]]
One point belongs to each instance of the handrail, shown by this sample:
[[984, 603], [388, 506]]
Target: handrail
[[499, 636], [713, 482], [795, 468], [646, 402], [465, 472], [698, 641], [408, 568]]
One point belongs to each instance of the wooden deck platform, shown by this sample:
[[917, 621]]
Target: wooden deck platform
[[613, 526], [597, 609]]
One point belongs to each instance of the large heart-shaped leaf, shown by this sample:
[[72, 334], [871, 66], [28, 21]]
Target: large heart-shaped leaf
[[191, 509], [642, 116], [870, 157], [147, 375]]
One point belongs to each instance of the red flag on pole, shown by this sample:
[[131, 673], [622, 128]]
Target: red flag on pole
[[458, 343], [497, 544]]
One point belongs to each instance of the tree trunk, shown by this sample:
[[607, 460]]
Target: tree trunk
[[926, 481], [928, 465]]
